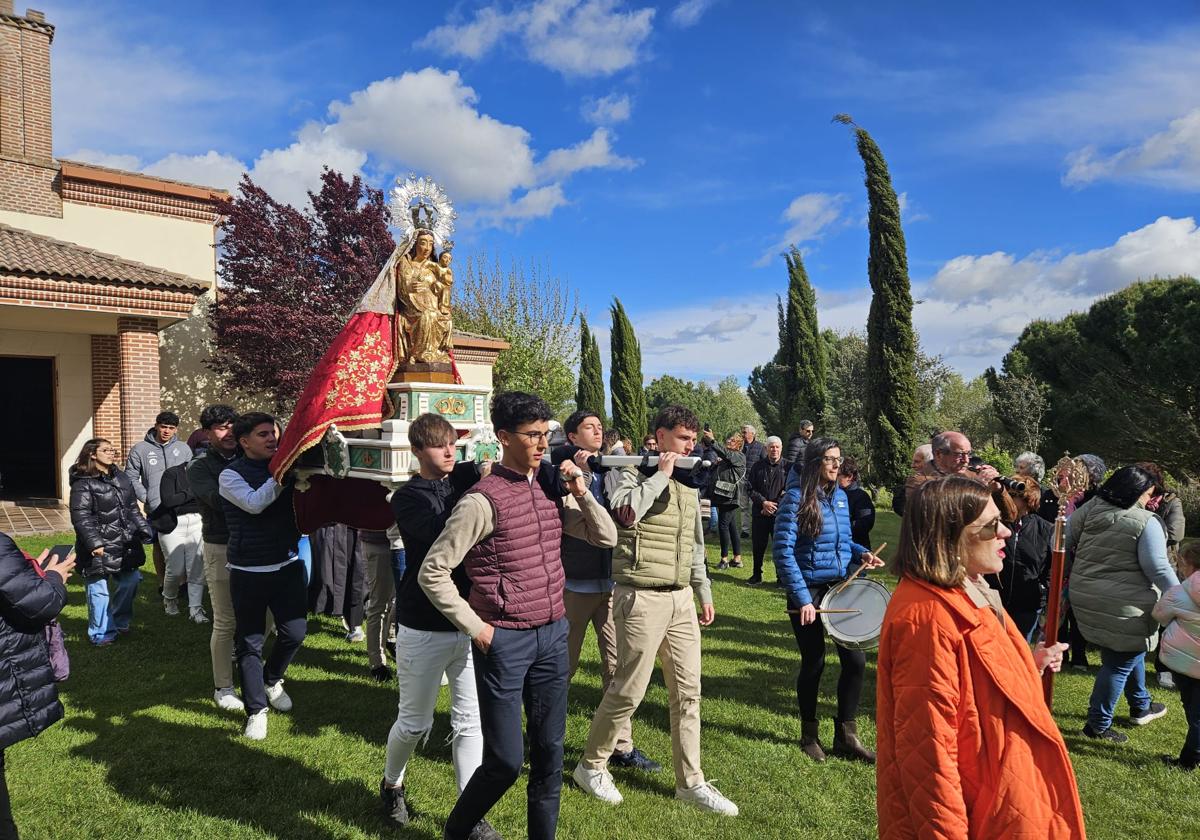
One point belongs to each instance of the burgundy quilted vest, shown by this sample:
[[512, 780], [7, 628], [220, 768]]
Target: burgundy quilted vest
[[516, 573]]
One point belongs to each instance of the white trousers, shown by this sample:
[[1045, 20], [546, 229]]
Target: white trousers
[[183, 550], [422, 656]]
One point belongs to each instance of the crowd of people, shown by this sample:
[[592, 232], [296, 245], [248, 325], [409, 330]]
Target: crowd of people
[[493, 573]]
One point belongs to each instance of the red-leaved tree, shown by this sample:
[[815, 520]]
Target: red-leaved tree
[[289, 280]]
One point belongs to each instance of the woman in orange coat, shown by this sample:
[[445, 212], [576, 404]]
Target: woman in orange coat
[[966, 745]]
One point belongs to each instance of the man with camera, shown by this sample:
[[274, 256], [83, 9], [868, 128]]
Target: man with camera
[[952, 455]]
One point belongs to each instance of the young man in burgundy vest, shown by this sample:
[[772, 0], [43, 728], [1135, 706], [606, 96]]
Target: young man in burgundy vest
[[507, 533]]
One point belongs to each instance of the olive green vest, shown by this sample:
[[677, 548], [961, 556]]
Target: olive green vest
[[658, 549], [1110, 595]]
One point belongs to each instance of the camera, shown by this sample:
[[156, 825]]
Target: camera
[[1007, 483]]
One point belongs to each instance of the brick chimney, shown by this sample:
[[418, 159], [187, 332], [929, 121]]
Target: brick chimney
[[25, 129]]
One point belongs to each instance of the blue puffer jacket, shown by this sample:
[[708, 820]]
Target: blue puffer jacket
[[802, 561]]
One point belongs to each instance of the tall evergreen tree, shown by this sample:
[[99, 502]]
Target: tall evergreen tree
[[891, 387], [625, 377], [589, 393], [792, 386]]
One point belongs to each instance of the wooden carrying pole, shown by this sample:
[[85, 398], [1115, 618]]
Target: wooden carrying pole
[[1058, 562]]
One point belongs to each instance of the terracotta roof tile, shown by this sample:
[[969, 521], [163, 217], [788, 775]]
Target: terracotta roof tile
[[24, 252]]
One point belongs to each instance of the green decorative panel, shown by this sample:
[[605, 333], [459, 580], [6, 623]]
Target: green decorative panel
[[365, 458], [453, 406]]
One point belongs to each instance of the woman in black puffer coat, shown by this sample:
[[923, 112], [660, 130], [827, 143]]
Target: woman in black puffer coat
[[109, 533], [29, 600]]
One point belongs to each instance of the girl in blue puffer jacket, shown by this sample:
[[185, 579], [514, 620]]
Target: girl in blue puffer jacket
[[813, 550]]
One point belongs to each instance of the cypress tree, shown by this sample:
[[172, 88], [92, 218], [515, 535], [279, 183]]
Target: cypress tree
[[791, 387], [891, 388], [625, 377], [589, 395]]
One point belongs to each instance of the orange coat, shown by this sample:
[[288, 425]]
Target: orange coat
[[966, 746]]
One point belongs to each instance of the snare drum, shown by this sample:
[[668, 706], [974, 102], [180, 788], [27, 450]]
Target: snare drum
[[857, 630]]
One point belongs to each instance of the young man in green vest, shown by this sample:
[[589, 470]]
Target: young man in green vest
[[658, 566]]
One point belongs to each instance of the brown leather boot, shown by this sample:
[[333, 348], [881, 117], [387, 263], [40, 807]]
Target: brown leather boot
[[846, 743], [810, 740]]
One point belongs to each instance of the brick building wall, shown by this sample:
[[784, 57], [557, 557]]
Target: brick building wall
[[137, 344], [106, 390], [29, 177]]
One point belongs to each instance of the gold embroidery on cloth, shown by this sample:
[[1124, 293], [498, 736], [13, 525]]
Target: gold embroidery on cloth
[[361, 375]]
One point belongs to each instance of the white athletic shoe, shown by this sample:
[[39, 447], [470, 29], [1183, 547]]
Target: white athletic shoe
[[171, 605], [256, 726], [278, 698], [707, 798], [599, 783], [356, 635], [227, 699], [197, 615]]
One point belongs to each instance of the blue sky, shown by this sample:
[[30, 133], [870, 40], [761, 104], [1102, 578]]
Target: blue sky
[[667, 153]]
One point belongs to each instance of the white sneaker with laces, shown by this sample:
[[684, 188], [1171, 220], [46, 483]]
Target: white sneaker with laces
[[170, 605], [278, 698], [707, 798], [356, 635], [227, 699], [256, 726], [599, 783], [197, 615]]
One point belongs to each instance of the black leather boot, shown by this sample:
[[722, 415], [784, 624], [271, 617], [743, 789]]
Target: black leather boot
[[810, 740], [846, 743]]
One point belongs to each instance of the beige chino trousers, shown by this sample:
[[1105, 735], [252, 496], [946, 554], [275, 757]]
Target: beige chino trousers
[[650, 623], [595, 608], [381, 600]]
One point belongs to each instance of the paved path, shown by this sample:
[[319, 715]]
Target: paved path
[[24, 520]]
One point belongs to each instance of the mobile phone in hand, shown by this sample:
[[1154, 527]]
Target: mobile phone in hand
[[61, 551]]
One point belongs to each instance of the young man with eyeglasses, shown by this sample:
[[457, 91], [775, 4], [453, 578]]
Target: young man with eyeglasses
[[507, 533], [660, 570]]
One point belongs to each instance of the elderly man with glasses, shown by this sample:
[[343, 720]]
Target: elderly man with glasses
[[952, 456]]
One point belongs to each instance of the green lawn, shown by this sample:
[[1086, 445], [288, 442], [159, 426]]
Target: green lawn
[[143, 753]]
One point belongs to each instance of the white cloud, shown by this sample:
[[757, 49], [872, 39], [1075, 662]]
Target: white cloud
[[809, 217], [99, 158], [535, 204], [594, 153], [607, 110], [1123, 86], [288, 174], [211, 169], [573, 37], [1169, 158], [971, 311], [689, 12]]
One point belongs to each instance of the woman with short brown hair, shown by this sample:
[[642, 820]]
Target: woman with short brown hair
[[966, 745]]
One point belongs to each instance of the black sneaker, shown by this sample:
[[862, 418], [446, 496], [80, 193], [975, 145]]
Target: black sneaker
[[483, 831], [395, 807], [635, 759], [1153, 712], [1109, 734], [754, 580], [381, 673], [1177, 762]]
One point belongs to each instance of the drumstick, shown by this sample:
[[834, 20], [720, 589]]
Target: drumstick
[[860, 568], [797, 612]]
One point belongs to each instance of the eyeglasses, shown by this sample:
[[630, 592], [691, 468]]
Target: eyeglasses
[[988, 530], [830, 459], [962, 456], [534, 437]]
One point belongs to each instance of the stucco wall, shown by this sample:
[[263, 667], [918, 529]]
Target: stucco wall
[[73, 361], [178, 245]]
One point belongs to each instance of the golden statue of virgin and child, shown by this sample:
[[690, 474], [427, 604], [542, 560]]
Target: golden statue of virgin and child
[[423, 285]]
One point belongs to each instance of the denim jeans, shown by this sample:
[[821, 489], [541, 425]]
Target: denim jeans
[[422, 656], [1119, 671], [110, 614], [522, 668]]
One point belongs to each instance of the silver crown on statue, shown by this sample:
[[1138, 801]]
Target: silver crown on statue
[[421, 204]]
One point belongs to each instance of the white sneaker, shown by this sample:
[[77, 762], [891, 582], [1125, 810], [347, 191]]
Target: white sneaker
[[278, 698], [599, 783], [227, 699], [356, 635], [197, 615], [707, 798], [256, 726], [1166, 679], [170, 605]]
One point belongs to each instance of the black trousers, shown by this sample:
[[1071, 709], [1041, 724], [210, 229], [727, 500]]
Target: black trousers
[[1078, 651], [729, 525], [761, 531], [522, 668], [253, 593], [1189, 694], [810, 638], [8, 828]]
